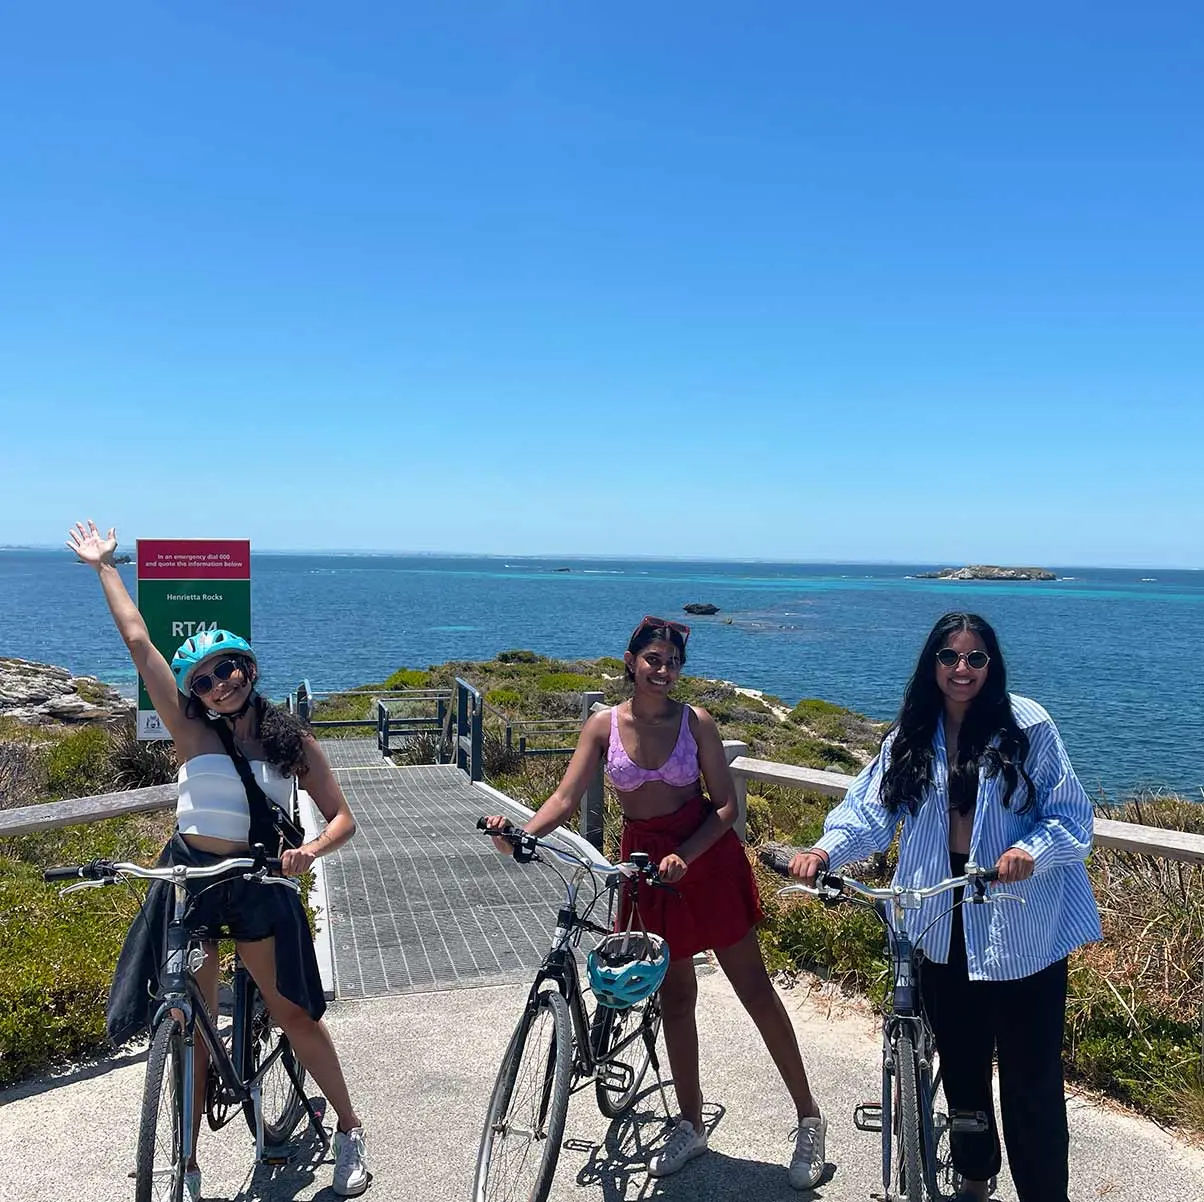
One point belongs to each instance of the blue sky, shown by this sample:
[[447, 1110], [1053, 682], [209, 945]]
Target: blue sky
[[782, 280]]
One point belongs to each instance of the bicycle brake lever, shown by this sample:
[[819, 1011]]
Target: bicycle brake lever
[[997, 896], [86, 885]]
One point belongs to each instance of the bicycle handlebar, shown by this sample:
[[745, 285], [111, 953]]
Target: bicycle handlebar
[[525, 847], [107, 872]]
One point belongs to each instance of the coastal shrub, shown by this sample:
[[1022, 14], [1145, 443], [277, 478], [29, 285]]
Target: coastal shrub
[[611, 665], [22, 774], [564, 682], [818, 753], [496, 758], [136, 764], [504, 699], [518, 657], [406, 678], [77, 765]]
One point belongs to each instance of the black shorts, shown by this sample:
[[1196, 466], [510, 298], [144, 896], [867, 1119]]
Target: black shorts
[[233, 909]]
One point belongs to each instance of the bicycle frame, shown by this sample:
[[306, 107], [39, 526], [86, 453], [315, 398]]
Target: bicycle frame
[[560, 967]]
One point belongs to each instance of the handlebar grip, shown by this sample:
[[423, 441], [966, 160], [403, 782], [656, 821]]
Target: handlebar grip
[[988, 875], [505, 830], [830, 880], [274, 865], [777, 856], [67, 872]]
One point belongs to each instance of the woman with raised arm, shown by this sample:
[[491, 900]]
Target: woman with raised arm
[[978, 775], [206, 698], [713, 904]]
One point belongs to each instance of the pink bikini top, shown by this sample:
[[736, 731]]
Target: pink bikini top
[[680, 769]]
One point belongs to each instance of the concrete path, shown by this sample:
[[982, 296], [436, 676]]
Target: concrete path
[[421, 1067]]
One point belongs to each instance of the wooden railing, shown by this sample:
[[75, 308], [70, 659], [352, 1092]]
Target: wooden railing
[[1117, 836]]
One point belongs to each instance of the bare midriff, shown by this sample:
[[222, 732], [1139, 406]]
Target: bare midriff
[[221, 847], [656, 799]]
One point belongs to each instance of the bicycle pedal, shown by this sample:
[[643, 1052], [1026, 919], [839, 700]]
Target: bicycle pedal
[[617, 1076], [868, 1116], [968, 1122]]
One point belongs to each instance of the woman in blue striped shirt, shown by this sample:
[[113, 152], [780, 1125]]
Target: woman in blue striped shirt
[[979, 775]]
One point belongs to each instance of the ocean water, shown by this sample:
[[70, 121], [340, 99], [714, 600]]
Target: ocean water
[[1111, 654]]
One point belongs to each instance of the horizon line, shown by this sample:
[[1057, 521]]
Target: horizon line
[[641, 558]]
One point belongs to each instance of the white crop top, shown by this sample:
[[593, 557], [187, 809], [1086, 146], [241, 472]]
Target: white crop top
[[213, 799]]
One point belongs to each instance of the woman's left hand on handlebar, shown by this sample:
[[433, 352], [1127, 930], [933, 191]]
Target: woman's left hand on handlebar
[[1014, 865], [499, 822], [672, 868], [297, 861]]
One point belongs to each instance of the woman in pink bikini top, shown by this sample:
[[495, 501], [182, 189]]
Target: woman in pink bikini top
[[713, 905], [679, 770]]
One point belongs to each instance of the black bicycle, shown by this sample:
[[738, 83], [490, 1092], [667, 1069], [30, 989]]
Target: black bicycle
[[253, 1070], [558, 1046], [916, 1163]]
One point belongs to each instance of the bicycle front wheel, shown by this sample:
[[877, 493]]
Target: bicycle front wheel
[[159, 1165], [622, 1042], [908, 1131], [282, 1105], [520, 1144]]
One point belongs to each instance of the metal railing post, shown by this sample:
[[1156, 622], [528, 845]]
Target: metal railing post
[[475, 771], [382, 727], [595, 792], [461, 722], [304, 701], [441, 714]]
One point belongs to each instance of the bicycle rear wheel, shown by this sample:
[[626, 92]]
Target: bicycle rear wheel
[[621, 1073], [520, 1143], [283, 1106], [159, 1163], [909, 1134]]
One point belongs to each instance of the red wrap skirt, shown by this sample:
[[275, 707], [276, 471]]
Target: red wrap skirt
[[715, 904]]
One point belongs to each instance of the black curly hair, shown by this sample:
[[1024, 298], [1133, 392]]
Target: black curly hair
[[282, 734], [990, 738]]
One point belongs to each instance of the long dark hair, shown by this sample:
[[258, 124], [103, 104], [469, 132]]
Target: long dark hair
[[281, 733], [990, 738]]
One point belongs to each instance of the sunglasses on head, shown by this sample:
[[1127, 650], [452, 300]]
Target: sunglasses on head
[[648, 622], [948, 658], [222, 670]]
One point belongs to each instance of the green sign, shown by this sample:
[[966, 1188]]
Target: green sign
[[186, 586]]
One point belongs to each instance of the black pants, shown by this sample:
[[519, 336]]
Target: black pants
[[1022, 1022]]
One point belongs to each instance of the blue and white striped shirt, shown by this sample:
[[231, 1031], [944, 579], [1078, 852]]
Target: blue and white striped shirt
[[1007, 940]]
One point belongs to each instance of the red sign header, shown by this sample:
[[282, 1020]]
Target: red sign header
[[194, 559]]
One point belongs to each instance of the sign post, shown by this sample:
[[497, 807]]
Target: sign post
[[186, 585]]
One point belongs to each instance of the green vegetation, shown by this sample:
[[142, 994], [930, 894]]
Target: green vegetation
[[57, 954], [407, 678]]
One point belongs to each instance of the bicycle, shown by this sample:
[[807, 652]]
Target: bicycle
[[914, 1132], [256, 1072], [558, 1047]]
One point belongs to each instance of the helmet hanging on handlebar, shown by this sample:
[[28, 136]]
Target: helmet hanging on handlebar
[[626, 968]]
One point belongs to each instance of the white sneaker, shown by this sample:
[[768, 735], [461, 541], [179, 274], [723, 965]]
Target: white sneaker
[[192, 1185], [683, 1144], [807, 1163], [351, 1174]]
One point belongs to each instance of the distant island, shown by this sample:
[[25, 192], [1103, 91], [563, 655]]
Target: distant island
[[979, 571]]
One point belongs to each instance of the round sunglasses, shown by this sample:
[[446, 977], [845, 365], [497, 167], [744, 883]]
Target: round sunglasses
[[948, 658], [222, 670]]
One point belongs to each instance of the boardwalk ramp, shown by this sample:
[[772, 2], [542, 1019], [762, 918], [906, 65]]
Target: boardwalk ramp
[[419, 899]]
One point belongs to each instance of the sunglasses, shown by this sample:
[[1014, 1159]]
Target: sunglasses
[[948, 658], [649, 622], [220, 671]]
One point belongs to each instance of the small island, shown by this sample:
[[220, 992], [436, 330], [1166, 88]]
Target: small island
[[979, 571], [701, 607]]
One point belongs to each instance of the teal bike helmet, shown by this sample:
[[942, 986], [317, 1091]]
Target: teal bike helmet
[[627, 968], [202, 646]]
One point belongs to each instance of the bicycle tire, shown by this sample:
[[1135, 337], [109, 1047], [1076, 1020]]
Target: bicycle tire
[[909, 1133], [609, 1028], [520, 1142], [283, 1106], [155, 1181]]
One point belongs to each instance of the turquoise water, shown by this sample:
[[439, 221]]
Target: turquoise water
[[1111, 653]]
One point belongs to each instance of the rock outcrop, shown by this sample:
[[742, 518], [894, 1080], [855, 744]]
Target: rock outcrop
[[698, 607], [980, 571], [42, 693]]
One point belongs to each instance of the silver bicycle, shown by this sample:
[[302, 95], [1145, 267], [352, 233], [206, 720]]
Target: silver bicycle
[[916, 1164], [256, 1073]]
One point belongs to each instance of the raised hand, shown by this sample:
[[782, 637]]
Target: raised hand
[[88, 543]]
